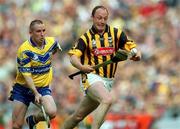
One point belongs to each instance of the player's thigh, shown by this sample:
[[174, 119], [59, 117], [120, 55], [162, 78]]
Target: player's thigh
[[87, 105], [49, 104], [19, 112], [99, 92]]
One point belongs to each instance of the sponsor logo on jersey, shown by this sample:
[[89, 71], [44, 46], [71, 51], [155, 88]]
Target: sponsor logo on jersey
[[104, 51]]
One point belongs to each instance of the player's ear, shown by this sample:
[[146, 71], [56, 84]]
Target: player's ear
[[30, 32], [91, 17]]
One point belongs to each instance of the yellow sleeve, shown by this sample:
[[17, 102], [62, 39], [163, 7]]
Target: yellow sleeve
[[76, 52], [23, 63], [129, 45], [79, 47]]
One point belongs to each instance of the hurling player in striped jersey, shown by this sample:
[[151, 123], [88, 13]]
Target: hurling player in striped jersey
[[97, 45]]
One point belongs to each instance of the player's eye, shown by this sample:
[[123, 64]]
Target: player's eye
[[102, 18], [38, 31], [99, 18]]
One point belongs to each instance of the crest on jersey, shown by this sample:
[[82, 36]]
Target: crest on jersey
[[35, 57], [110, 41], [94, 44]]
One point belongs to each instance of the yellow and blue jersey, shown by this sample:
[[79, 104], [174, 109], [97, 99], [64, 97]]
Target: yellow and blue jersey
[[36, 62]]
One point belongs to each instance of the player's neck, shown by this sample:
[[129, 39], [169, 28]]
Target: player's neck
[[100, 32], [37, 44]]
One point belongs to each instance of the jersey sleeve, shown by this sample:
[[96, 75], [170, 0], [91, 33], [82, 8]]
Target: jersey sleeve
[[56, 46], [78, 49], [23, 62], [125, 43]]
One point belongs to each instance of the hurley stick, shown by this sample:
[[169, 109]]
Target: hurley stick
[[120, 55]]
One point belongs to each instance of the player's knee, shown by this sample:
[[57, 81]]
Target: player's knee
[[17, 125], [78, 118], [107, 100], [52, 114]]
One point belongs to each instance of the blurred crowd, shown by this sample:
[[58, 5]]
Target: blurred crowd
[[151, 86]]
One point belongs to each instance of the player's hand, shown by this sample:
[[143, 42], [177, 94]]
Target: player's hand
[[137, 57], [37, 98], [86, 68]]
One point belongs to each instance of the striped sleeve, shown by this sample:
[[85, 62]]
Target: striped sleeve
[[129, 45], [56, 46], [23, 63], [125, 43], [122, 40], [79, 48]]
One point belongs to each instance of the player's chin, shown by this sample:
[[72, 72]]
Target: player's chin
[[101, 28], [41, 40]]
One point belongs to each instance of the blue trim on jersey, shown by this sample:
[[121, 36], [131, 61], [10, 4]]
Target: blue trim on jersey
[[42, 58], [39, 58], [34, 44], [35, 70], [54, 46], [24, 61]]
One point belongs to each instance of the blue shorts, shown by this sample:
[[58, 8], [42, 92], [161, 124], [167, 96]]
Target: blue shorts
[[25, 95]]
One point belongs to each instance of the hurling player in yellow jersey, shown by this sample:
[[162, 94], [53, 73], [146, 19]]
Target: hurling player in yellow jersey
[[97, 45], [34, 75]]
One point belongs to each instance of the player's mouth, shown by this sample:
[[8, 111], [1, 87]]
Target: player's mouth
[[101, 26], [41, 39]]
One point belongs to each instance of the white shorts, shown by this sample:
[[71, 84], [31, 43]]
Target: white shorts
[[92, 78]]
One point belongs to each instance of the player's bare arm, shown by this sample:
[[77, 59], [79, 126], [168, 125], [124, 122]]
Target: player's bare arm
[[76, 63], [31, 85]]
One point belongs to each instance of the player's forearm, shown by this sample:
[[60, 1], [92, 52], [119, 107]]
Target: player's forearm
[[30, 84], [75, 61]]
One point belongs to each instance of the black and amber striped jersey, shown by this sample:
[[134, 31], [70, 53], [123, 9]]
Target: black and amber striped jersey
[[93, 48], [36, 62]]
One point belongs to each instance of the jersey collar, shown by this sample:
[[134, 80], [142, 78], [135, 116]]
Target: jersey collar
[[34, 44], [94, 31]]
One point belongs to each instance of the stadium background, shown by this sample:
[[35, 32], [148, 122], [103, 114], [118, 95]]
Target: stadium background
[[147, 91]]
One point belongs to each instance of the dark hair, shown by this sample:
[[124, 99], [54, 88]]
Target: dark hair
[[97, 7], [36, 21]]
